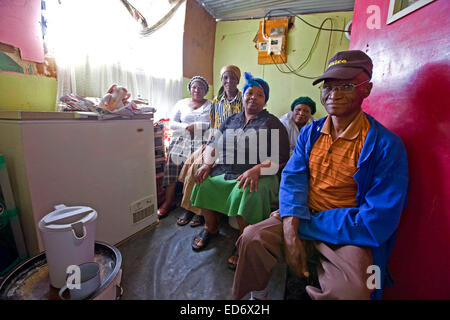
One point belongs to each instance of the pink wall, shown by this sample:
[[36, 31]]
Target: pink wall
[[411, 96], [20, 26]]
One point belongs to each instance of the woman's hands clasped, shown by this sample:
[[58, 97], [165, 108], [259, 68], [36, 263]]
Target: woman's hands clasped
[[250, 178], [202, 173]]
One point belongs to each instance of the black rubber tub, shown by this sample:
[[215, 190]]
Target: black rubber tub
[[30, 280]]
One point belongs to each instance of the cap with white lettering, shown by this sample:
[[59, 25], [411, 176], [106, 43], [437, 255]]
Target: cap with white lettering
[[347, 65]]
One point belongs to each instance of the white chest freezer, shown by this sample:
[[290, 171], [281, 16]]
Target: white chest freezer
[[108, 165]]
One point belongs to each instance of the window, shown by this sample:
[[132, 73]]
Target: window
[[99, 43], [401, 8]]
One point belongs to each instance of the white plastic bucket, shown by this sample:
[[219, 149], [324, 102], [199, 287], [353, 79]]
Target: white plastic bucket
[[68, 234]]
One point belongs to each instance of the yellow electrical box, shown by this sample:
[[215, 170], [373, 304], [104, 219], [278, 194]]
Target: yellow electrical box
[[272, 45]]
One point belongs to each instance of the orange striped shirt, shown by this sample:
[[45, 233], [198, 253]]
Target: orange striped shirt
[[332, 165]]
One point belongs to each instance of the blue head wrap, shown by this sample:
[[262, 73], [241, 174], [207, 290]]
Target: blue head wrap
[[250, 82]]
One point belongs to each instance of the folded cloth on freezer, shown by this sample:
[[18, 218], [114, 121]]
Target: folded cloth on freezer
[[128, 109], [74, 102]]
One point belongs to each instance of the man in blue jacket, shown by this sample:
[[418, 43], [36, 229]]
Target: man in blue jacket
[[341, 197]]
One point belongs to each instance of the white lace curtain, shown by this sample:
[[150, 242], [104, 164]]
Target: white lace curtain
[[97, 43]]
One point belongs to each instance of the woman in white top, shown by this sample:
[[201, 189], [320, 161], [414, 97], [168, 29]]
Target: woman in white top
[[189, 122], [301, 113]]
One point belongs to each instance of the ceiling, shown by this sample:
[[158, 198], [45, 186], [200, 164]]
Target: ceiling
[[253, 9]]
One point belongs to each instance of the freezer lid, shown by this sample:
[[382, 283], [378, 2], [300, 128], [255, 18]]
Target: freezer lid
[[36, 115], [49, 115]]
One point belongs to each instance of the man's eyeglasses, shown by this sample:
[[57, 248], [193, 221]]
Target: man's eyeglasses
[[346, 88]]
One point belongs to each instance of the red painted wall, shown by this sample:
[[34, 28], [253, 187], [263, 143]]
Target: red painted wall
[[20, 26], [411, 96]]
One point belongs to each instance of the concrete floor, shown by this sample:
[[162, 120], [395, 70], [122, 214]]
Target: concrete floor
[[160, 264]]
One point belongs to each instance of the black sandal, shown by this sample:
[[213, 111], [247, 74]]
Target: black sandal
[[235, 253], [204, 236], [197, 220], [185, 218]]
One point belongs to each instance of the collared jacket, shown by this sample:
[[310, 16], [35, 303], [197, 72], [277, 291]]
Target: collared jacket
[[383, 182]]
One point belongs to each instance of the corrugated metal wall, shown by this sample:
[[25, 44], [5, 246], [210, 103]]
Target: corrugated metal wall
[[249, 9]]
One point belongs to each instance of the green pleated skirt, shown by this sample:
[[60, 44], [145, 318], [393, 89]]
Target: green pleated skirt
[[224, 196]]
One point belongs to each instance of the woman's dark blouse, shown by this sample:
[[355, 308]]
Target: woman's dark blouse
[[232, 136]]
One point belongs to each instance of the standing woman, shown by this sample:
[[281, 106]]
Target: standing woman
[[189, 114], [227, 103], [244, 189], [229, 98]]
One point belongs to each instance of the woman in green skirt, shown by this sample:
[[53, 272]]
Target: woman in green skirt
[[239, 175]]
